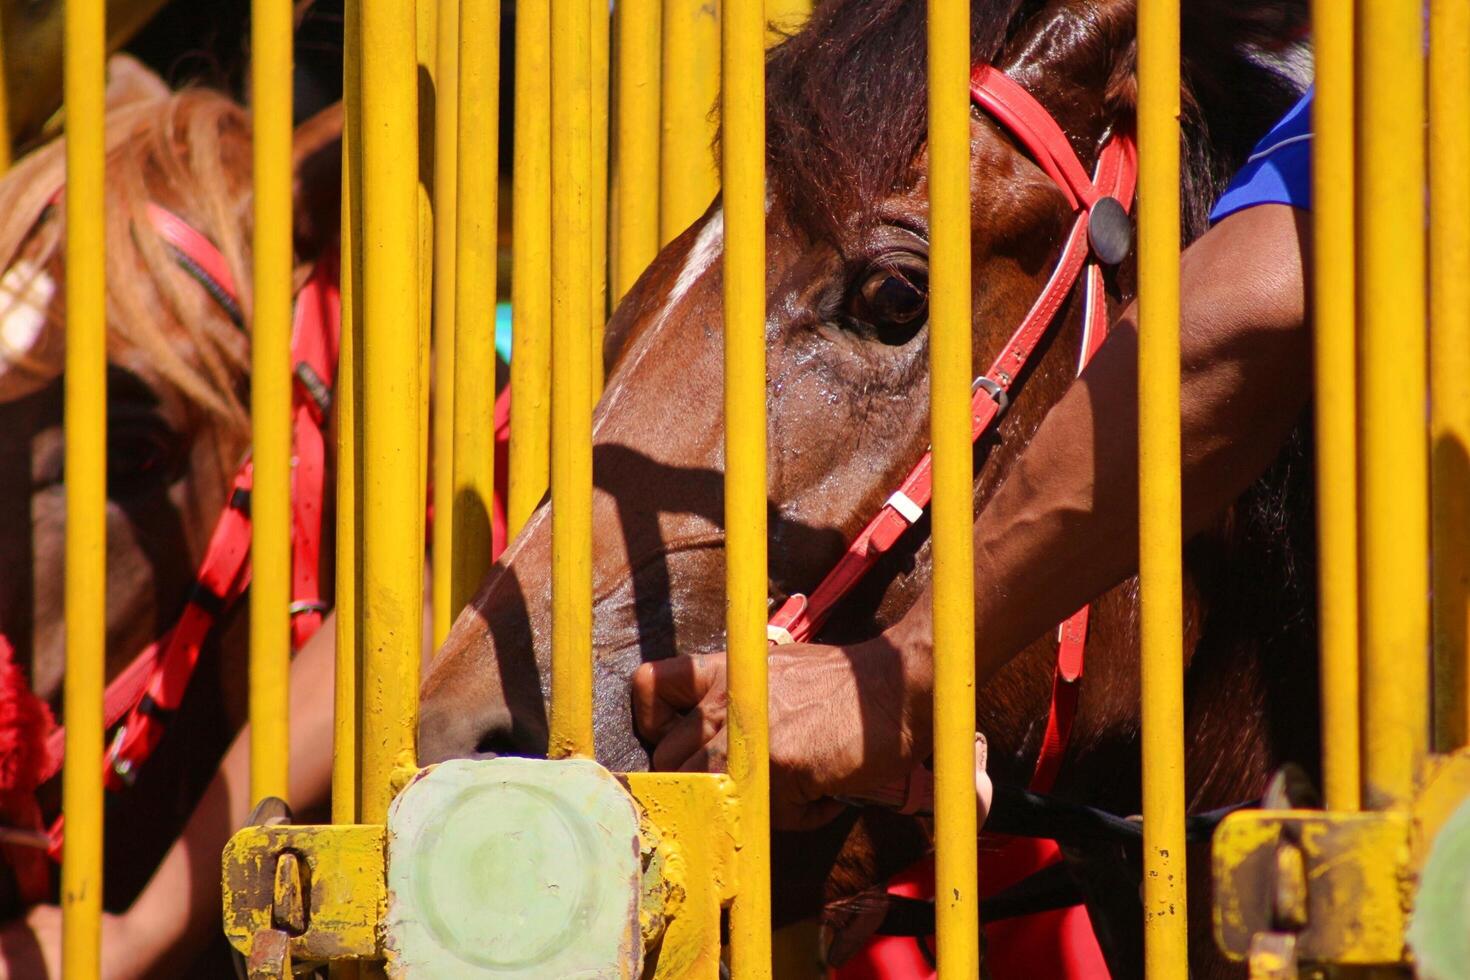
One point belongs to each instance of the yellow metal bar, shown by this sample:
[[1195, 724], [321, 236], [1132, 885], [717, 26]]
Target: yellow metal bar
[[349, 438], [474, 354], [1394, 467], [571, 380], [1159, 532], [743, 108], [600, 42], [392, 549], [86, 488], [347, 674], [270, 397], [956, 908], [1334, 298], [530, 287], [691, 83], [446, 161], [1449, 362], [636, 150], [426, 67]]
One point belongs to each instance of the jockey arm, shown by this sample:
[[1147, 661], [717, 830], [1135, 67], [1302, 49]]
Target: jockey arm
[[1062, 528]]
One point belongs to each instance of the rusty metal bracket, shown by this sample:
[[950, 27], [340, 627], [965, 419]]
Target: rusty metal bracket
[[321, 887], [1338, 883], [270, 956]]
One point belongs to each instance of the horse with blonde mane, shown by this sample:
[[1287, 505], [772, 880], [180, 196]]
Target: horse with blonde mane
[[178, 427]]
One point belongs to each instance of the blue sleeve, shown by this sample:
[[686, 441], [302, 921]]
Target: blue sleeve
[[1279, 170]]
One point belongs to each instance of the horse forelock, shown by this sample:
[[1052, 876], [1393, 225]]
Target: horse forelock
[[846, 97], [189, 152]]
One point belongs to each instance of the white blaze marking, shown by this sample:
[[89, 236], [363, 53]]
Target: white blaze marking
[[707, 246], [25, 293]]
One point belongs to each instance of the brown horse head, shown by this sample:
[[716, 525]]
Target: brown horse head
[[177, 371], [177, 385], [846, 340]]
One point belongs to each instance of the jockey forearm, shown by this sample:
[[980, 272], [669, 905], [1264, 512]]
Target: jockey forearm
[[1063, 527]]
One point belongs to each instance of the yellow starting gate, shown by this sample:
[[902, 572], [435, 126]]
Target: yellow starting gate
[[654, 858], [1378, 878]]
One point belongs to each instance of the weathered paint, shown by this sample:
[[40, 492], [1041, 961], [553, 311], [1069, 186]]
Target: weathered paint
[[270, 956], [1356, 874], [692, 829], [343, 880]]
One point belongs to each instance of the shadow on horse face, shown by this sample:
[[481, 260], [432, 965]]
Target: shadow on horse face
[[160, 489]]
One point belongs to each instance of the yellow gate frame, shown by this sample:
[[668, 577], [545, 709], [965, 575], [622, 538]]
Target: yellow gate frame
[[1323, 887]]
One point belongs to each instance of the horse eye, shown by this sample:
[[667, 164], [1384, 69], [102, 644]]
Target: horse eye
[[895, 302], [141, 454]]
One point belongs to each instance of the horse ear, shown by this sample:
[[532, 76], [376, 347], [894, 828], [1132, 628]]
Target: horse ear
[[129, 81]]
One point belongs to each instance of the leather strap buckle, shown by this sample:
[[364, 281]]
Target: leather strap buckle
[[999, 395]]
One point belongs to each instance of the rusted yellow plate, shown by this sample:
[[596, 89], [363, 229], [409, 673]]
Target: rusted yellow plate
[[342, 880], [1357, 878]]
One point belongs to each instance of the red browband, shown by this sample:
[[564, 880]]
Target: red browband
[[1100, 235]]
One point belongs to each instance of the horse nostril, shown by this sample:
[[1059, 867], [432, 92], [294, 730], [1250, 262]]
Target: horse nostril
[[498, 741]]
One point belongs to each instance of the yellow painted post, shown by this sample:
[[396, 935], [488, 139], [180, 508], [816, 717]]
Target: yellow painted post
[[86, 488], [446, 160], [270, 397], [691, 83], [600, 44], [635, 153], [426, 69], [474, 354], [571, 380], [957, 907], [1334, 297], [530, 287], [392, 549], [1449, 362], [1159, 531], [349, 439], [1394, 467], [746, 582]]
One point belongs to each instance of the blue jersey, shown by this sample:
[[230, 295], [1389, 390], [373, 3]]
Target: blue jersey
[[1279, 170]]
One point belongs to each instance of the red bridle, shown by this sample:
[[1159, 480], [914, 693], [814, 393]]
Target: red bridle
[[1100, 235]]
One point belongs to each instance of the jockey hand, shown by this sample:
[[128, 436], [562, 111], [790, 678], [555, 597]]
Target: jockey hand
[[844, 721]]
